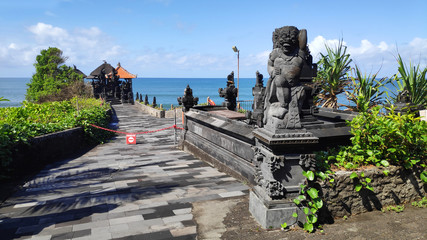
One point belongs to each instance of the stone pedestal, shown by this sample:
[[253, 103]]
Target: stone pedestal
[[280, 159], [272, 213]]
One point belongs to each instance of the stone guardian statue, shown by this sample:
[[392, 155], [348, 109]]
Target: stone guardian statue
[[284, 94]]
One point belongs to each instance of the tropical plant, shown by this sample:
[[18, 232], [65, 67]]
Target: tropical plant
[[365, 91], [412, 79], [2, 99], [309, 202], [51, 76], [331, 77], [20, 124], [384, 140]]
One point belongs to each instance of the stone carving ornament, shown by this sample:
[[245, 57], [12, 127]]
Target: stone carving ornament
[[284, 92], [267, 165], [229, 93], [188, 101]]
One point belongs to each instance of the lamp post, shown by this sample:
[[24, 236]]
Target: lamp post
[[238, 53]]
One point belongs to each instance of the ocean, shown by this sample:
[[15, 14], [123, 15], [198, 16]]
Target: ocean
[[166, 90]]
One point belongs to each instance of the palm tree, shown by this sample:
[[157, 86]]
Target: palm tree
[[331, 77]]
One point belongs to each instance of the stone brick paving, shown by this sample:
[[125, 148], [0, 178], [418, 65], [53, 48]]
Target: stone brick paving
[[118, 191]]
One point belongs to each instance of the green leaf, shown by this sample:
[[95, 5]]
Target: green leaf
[[312, 218], [297, 202], [392, 150], [369, 188], [368, 180], [354, 175], [385, 163], [284, 225], [309, 175], [306, 211], [386, 172], [319, 203], [423, 176], [295, 215], [321, 175], [358, 187], [313, 210], [308, 227], [370, 153], [313, 193]]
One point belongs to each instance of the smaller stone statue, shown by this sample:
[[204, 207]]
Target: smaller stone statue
[[146, 99], [403, 102], [188, 101], [154, 102], [229, 93], [258, 106], [403, 97]]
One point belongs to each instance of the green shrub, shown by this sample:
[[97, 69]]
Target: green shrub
[[20, 124], [383, 139]]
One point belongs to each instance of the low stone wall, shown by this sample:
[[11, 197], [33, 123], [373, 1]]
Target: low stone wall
[[225, 143], [160, 113], [400, 186], [48, 148]]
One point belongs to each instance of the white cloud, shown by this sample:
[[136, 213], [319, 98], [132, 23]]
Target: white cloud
[[160, 59], [45, 32], [371, 57], [12, 46], [85, 47], [317, 46], [257, 59]]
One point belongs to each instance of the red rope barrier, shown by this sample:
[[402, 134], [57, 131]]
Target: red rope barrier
[[158, 130]]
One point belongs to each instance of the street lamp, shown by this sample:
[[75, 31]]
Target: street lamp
[[238, 53]]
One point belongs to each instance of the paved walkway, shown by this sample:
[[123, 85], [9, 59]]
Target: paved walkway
[[118, 191]]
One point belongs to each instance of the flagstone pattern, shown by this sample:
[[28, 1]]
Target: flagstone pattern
[[118, 191]]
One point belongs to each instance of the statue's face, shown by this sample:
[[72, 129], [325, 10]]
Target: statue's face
[[287, 39]]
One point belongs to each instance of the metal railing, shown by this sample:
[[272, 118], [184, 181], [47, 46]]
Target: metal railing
[[245, 105]]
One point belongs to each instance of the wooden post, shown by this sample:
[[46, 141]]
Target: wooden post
[[174, 142]]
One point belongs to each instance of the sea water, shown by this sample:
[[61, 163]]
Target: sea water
[[13, 89], [166, 90]]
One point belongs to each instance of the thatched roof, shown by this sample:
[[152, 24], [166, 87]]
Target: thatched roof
[[108, 69], [76, 70]]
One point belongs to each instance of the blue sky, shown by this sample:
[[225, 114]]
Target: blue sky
[[180, 38]]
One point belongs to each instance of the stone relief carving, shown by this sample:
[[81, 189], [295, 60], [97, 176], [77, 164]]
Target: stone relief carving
[[308, 161], [266, 166]]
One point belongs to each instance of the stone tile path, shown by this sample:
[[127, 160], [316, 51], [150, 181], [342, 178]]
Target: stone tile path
[[118, 191]]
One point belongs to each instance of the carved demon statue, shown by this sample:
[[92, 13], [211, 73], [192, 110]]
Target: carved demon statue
[[284, 93]]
